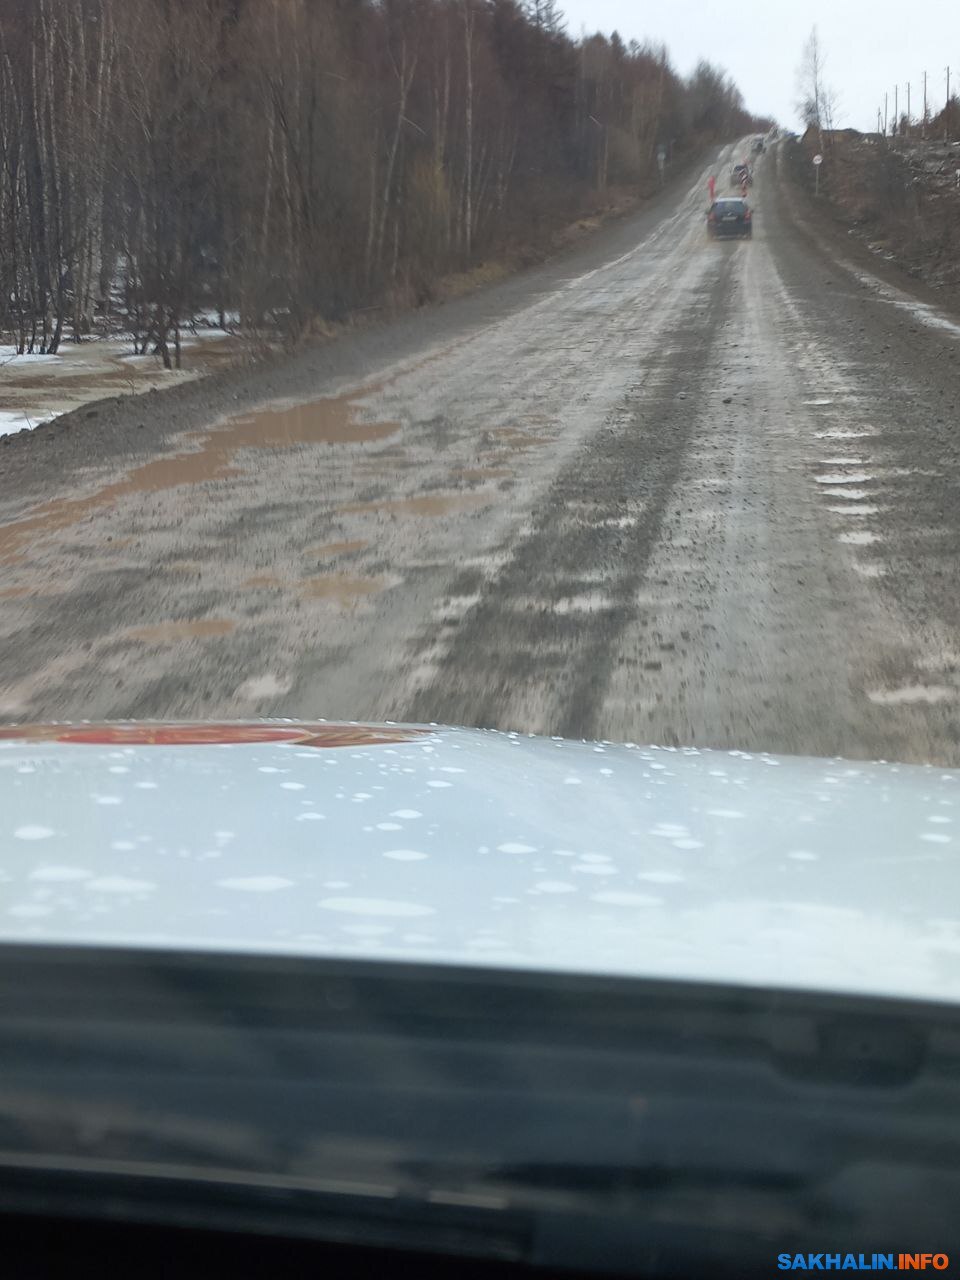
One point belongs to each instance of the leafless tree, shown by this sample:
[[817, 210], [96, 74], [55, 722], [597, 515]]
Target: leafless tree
[[294, 160], [817, 101]]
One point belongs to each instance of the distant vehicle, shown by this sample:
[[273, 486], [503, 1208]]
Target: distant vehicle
[[758, 146], [741, 175], [730, 217]]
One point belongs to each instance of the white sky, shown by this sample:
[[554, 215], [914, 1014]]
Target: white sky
[[869, 46]]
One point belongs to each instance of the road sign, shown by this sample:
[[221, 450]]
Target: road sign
[[818, 159]]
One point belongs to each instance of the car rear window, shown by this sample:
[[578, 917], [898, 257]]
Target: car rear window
[[730, 206]]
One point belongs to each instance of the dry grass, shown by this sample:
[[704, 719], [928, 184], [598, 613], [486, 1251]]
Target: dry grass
[[899, 196]]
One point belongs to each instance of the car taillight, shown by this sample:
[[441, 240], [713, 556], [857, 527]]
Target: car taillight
[[711, 217], [747, 215]]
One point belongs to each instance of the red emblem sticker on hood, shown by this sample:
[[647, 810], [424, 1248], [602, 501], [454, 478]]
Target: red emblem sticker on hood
[[212, 734]]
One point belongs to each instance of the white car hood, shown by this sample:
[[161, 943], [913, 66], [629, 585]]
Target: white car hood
[[484, 849]]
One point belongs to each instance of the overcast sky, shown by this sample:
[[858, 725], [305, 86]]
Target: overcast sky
[[870, 47]]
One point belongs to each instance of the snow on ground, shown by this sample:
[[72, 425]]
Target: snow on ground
[[13, 422], [8, 356], [36, 388]]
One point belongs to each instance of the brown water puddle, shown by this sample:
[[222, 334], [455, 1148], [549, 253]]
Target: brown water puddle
[[329, 421], [341, 587], [186, 628], [262, 580], [430, 504], [15, 593], [331, 549]]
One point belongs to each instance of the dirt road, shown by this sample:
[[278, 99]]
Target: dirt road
[[658, 490]]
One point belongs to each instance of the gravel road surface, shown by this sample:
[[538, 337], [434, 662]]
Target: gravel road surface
[[661, 489]]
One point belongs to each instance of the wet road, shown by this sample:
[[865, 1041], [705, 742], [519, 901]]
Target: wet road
[[660, 490]]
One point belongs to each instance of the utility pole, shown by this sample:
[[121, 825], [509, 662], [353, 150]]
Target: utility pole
[[908, 106], [896, 108], [924, 132], [879, 116], [886, 104]]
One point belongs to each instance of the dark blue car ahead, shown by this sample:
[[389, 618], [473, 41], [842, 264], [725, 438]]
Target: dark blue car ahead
[[730, 217]]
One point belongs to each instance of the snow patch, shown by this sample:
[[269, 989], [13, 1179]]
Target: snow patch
[[376, 907], [912, 693]]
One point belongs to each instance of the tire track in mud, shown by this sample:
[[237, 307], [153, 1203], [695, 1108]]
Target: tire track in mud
[[538, 648]]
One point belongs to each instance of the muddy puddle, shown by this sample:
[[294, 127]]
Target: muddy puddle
[[342, 588], [329, 421], [428, 504], [184, 629]]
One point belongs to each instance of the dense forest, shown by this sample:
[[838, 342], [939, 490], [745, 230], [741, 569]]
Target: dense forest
[[289, 160]]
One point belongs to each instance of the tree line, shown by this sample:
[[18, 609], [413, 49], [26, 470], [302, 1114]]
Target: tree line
[[294, 160]]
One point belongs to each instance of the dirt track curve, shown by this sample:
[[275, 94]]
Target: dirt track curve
[[658, 490]]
